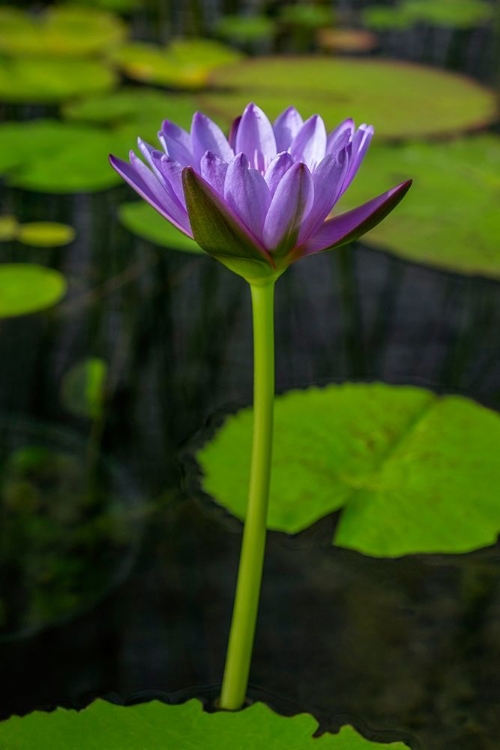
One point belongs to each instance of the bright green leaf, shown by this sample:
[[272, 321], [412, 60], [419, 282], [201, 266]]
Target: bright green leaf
[[449, 13], [450, 217], [401, 100], [142, 220], [412, 471], [42, 81], [83, 387], [59, 32], [27, 288], [184, 727], [45, 234]]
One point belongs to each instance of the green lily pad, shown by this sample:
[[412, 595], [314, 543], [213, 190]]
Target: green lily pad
[[82, 389], [143, 221], [450, 217], [306, 15], [183, 727], [8, 228], [59, 32], [184, 64], [55, 157], [45, 234], [115, 6], [245, 29], [41, 81], [449, 13], [27, 288], [413, 472], [402, 100], [135, 106]]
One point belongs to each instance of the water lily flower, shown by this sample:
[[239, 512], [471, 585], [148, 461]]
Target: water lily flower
[[258, 200]]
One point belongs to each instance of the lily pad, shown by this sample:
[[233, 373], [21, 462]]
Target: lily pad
[[346, 40], [116, 6], [142, 220], [413, 472], [27, 288], [45, 234], [403, 100], [55, 157], [82, 390], [450, 218], [449, 13], [144, 108], [59, 32], [42, 81], [179, 727], [8, 228], [184, 64], [245, 29]]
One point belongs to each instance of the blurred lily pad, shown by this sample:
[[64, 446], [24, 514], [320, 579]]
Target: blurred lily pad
[[428, 101], [82, 390], [448, 13], [8, 228], [116, 6], [346, 40], [143, 221], [245, 30], [306, 15], [42, 81], [393, 458], [451, 216], [27, 288], [144, 108], [184, 64], [186, 725], [55, 157], [58, 32], [45, 234]]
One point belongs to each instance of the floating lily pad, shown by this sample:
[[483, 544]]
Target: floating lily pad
[[44, 81], [144, 108], [448, 13], [245, 29], [180, 727], [82, 390], [393, 458], [27, 288], [59, 32], [451, 216], [55, 157], [402, 100], [142, 220], [306, 15], [45, 234], [8, 228], [184, 64], [346, 40]]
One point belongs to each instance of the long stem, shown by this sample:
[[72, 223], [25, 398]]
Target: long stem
[[246, 603]]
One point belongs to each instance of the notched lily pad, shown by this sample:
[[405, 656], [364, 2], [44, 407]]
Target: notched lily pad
[[40, 81], [27, 288], [184, 64], [450, 218], [179, 727], [142, 220], [59, 32], [392, 458], [429, 101]]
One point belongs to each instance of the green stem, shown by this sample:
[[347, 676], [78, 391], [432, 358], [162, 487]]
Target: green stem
[[246, 603]]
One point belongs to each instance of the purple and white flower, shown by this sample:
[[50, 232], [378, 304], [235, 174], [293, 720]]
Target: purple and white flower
[[258, 200]]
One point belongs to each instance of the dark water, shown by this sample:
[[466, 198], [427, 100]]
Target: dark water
[[404, 649]]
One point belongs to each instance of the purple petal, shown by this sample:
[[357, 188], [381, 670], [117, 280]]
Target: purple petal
[[277, 168], [309, 144], [351, 225], [340, 137], [176, 142], [213, 169], [165, 206], [233, 132], [246, 191], [216, 227], [328, 180], [207, 136], [255, 138], [360, 142], [286, 127], [171, 173], [290, 205]]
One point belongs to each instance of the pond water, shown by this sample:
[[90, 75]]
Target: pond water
[[404, 649]]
